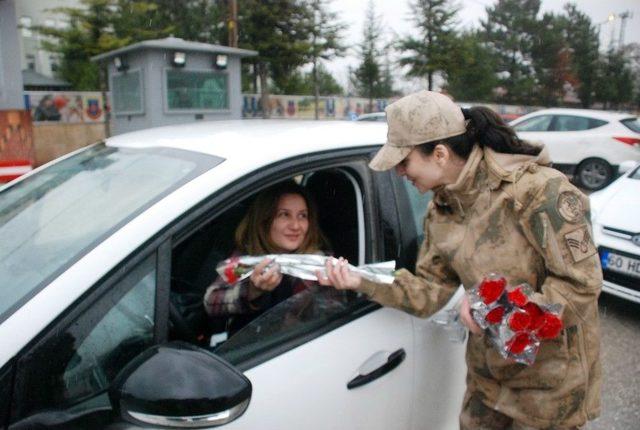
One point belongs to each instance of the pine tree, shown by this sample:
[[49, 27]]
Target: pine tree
[[582, 38], [551, 60], [614, 83], [367, 77], [326, 33], [471, 71], [279, 30], [509, 32], [428, 54]]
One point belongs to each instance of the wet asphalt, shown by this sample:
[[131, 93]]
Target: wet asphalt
[[620, 343]]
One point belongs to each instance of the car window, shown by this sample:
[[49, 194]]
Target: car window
[[302, 313], [537, 123], [575, 123], [50, 219], [75, 363], [632, 124], [249, 335]]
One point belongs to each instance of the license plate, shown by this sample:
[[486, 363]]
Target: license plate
[[621, 264]]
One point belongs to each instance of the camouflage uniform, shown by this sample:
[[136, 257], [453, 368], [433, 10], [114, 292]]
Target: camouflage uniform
[[513, 215]]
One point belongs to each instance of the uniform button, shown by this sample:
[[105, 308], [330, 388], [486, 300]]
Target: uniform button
[[533, 168]]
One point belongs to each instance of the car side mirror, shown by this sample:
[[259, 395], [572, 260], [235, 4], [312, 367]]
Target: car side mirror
[[625, 166], [178, 385]]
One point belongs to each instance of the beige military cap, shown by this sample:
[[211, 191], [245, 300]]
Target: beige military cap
[[418, 118]]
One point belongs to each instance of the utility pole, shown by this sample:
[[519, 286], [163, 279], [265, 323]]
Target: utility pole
[[623, 17], [232, 23]]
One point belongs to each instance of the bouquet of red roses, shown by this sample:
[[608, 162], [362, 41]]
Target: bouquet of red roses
[[515, 324]]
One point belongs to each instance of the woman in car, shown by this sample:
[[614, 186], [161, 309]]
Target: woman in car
[[282, 219], [497, 207]]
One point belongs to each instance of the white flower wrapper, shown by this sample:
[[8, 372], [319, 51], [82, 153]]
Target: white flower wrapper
[[302, 266]]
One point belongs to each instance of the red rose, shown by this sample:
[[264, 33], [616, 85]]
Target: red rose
[[495, 315], [491, 289], [517, 297], [536, 314], [518, 343], [519, 321], [550, 327], [230, 272]]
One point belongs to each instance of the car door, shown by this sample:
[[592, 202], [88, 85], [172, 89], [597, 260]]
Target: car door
[[440, 340], [539, 128], [427, 393], [326, 360], [573, 135], [324, 363]]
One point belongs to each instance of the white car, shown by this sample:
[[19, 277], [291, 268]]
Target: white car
[[588, 144], [615, 214], [373, 117], [106, 253]]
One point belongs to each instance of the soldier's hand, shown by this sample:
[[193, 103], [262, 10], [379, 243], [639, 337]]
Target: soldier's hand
[[338, 275], [466, 318]]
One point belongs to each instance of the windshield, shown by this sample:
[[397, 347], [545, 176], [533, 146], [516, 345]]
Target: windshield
[[632, 124], [52, 218]]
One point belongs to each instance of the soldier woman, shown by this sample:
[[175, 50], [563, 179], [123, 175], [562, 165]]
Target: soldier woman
[[497, 207]]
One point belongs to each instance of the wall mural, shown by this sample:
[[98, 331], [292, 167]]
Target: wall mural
[[16, 144], [65, 107]]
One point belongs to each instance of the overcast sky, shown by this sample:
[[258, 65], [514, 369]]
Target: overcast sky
[[395, 16]]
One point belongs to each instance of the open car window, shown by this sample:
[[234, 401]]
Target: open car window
[[301, 314], [249, 338]]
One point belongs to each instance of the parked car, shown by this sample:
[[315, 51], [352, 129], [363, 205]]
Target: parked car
[[587, 144], [615, 213], [373, 117], [106, 253]]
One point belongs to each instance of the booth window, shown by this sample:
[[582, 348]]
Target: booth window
[[197, 90], [127, 93]]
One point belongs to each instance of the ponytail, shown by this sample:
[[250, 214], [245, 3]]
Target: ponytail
[[487, 129]]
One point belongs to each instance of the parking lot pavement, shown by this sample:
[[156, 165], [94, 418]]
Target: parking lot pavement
[[620, 324]]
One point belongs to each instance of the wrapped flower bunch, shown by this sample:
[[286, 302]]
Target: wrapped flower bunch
[[515, 325], [303, 266]]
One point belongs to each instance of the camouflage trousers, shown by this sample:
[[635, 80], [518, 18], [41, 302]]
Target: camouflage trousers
[[476, 415]]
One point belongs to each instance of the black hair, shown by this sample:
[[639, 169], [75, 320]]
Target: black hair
[[487, 129]]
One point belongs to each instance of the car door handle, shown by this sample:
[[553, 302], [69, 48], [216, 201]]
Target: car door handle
[[377, 365]]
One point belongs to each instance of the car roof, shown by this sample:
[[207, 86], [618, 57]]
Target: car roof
[[241, 139], [593, 113]]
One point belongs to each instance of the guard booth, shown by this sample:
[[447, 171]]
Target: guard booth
[[172, 81]]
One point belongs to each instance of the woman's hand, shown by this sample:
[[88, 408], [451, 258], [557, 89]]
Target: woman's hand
[[262, 280], [466, 318], [338, 275]]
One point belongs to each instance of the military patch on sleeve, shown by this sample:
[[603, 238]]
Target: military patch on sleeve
[[580, 244], [570, 207]]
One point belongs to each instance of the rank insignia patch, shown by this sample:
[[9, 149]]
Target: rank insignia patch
[[580, 244]]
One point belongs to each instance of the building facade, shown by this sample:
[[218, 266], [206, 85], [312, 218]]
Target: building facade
[[32, 13]]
